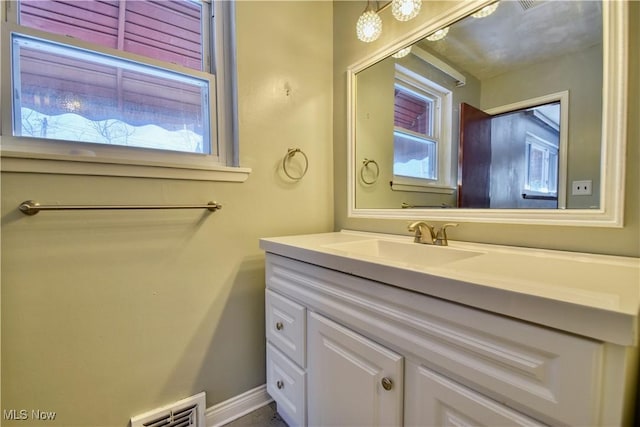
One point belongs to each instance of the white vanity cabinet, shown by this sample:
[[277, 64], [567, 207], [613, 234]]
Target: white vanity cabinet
[[370, 353]]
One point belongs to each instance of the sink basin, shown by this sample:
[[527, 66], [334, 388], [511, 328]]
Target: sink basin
[[404, 252]]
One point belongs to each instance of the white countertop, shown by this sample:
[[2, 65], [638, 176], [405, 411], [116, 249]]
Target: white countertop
[[596, 296]]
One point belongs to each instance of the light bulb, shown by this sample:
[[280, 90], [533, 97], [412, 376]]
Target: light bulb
[[486, 11], [438, 35], [369, 26], [404, 10], [402, 52]]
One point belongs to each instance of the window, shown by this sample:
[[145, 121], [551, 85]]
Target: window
[[127, 82], [65, 93], [421, 137], [415, 148], [542, 166]]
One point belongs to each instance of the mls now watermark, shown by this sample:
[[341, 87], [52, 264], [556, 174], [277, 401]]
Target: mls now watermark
[[24, 414]]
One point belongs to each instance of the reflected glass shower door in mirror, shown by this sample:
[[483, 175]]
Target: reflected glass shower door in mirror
[[500, 112]]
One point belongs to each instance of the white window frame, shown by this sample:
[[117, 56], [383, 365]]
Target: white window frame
[[534, 141], [25, 154], [443, 120]]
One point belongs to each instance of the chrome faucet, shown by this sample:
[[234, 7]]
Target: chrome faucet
[[427, 234]]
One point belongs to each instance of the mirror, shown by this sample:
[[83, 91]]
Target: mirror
[[510, 117]]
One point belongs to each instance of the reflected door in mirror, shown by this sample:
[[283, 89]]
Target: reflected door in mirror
[[474, 165]]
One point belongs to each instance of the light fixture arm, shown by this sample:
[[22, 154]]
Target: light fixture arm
[[377, 9]]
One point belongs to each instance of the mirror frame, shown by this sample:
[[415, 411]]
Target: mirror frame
[[613, 146]]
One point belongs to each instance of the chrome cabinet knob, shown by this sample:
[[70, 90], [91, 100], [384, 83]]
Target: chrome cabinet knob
[[280, 384], [387, 384], [279, 326]]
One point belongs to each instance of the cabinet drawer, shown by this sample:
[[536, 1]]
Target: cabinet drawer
[[286, 325], [286, 383], [434, 400]]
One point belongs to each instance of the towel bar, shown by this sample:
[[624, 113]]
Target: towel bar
[[30, 207]]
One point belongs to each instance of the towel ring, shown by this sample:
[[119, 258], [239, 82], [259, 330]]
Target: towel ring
[[365, 165], [290, 153]]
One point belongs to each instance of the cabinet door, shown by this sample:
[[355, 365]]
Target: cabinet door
[[352, 381], [435, 400]]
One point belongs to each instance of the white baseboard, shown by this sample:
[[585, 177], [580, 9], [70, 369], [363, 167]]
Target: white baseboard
[[234, 408]]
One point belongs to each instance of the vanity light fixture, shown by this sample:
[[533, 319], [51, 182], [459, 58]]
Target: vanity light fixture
[[438, 35], [402, 52], [404, 10], [369, 25], [486, 11]]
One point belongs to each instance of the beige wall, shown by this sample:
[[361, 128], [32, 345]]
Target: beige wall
[[109, 314], [348, 50]]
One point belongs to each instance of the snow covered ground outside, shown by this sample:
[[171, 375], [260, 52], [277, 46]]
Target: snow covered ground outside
[[73, 127], [414, 168]]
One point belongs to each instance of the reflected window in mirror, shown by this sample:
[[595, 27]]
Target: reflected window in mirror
[[422, 112], [542, 166], [414, 142]]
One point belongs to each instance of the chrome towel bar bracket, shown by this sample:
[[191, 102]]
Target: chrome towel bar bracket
[[30, 207]]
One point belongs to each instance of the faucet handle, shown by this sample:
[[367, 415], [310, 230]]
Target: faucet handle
[[443, 239]]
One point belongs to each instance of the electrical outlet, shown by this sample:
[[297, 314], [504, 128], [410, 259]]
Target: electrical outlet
[[581, 188]]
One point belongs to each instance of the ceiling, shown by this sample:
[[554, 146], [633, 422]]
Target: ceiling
[[519, 33]]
